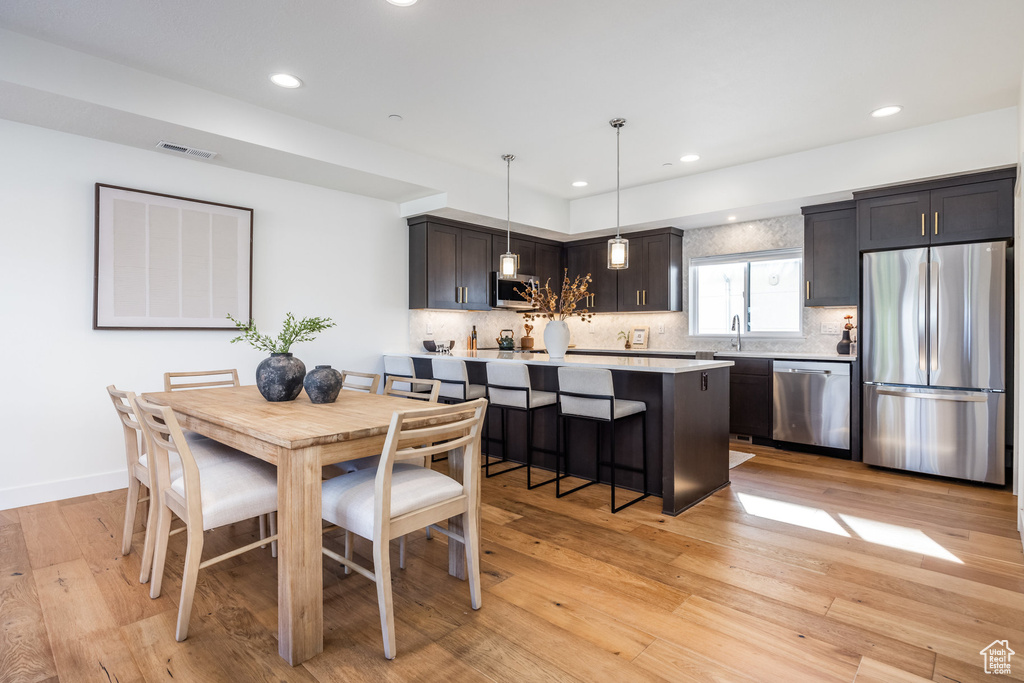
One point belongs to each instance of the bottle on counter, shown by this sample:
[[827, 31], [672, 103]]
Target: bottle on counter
[[472, 338]]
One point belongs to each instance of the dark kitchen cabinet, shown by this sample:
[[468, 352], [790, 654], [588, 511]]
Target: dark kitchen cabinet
[[962, 209], [750, 397], [540, 259], [830, 254], [653, 281], [548, 263], [449, 267], [592, 258]]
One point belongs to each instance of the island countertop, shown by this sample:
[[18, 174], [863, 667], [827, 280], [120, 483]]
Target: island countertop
[[635, 364]]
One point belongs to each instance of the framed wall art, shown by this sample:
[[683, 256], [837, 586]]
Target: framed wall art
[[164, 262], [638, 337]]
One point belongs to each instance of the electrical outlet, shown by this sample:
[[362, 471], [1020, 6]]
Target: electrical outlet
[[590, 329], [430, 329], [830, 328], [661, 328]]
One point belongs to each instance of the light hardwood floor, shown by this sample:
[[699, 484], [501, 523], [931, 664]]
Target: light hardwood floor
[[805, 569]]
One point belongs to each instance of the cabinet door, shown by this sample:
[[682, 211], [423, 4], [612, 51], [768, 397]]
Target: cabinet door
[[548, 263], [523, 247], [632, 280], [605, 283], [971, 213], [442, 267], [830, 258], [475, 270], [662, 290], [750, 405], [894, 221]]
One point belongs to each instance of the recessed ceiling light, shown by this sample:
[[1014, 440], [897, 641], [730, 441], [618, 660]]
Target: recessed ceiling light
[[580, 183], [687, 158], [285, 80], [402, 3], [887, 111], [731, 218], [394, 117]]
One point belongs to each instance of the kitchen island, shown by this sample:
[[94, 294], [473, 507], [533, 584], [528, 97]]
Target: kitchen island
[[687, 420]]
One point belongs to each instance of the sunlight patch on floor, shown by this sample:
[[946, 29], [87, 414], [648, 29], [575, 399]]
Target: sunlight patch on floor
[[791, 513], [900, 537]]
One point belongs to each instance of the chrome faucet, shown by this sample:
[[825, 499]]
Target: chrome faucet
[[736, 329]]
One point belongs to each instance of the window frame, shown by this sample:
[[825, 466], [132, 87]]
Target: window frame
[[745, 258]]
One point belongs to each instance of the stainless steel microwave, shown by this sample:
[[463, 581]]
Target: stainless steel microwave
[[504, 294]]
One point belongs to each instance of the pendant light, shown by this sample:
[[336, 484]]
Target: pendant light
[[508, 263], [618, 248]]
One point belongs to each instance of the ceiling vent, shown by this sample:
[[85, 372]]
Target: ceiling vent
[[188, 151]]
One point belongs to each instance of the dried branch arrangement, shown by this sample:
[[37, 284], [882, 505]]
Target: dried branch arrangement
[[546, 304]]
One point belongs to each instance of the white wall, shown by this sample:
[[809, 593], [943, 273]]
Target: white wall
[[316, 252]]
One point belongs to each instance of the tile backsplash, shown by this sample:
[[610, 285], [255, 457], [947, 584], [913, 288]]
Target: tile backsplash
[[669, 331]]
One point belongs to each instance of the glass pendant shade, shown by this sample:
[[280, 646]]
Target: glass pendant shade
[[618, 253], [508, 265]]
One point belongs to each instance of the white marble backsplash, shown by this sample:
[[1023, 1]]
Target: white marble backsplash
[[601, 333]]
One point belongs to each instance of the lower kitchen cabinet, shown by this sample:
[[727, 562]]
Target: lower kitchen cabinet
[[750, 397]]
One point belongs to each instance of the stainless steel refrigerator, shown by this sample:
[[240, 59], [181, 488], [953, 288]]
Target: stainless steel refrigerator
[[933, 333]]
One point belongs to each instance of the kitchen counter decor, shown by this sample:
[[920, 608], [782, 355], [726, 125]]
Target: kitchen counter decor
[[556, 308], [279, 377]]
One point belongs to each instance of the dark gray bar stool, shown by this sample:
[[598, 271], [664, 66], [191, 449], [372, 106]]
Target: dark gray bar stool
[[508, 388], [588, 394]]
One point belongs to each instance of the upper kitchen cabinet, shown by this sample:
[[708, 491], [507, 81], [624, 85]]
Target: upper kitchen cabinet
[[592, 258], [968, 208], [653, 281], [542, 260], [830, 254], [449, 266], [548, 263]]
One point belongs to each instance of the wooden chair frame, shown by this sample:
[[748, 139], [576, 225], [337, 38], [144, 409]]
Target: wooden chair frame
[[231, 381], [413, 435], [370, 388], [164, 436]]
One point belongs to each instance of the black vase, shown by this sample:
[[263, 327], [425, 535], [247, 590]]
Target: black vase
[[279, 378], [322, 384], [843, 347]]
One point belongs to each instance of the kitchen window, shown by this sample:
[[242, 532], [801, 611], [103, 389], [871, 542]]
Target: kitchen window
[[762, 288]]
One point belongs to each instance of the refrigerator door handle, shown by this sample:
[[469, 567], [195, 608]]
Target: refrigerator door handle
[[922, 315], [971, 397], [933, 315]]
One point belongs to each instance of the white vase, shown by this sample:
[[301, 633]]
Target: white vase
[[556, 338]]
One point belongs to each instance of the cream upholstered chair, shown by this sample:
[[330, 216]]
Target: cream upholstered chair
[[370, 385], [225, 487], [509, 388], [211, 379], [589, 394], [373, 460], [455, 386], [403, 366], [399, 496], [217, 378]]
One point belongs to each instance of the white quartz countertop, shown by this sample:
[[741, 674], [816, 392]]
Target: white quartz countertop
[[613, 362], [780, 355]]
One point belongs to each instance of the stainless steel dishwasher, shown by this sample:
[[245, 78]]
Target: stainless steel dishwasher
[[812, 403]]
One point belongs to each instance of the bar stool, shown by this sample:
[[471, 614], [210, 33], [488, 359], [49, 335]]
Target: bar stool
[[508, 388], [403, 366], [588, 394], [455, 386]]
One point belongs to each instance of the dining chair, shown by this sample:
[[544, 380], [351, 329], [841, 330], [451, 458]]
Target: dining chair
[[218, 378], [216, 491], [433, 386], [370, 386], [399, 496], [139, 476]]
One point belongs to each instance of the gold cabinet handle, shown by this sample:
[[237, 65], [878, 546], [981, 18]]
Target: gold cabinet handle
[[922, 225], [808, 290], [458, 295], [936, 222], [638, 297], [465, 295], [645, 297]]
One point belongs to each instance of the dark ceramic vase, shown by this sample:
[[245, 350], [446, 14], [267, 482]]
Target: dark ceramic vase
[[279, 378], [322, 384], [843, 347]]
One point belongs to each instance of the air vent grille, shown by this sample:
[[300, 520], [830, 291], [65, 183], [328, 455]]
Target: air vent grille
[[189, 151]]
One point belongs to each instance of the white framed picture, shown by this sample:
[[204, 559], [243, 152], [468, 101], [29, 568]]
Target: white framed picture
[[638, 337], [164, 262]]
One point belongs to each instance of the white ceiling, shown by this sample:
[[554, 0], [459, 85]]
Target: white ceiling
[[732, 80]]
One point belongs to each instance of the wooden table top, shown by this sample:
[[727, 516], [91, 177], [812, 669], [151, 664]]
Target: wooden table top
[[288, 424]]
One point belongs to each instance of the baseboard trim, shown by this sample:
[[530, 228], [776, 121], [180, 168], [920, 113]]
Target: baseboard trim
[[49, 491]]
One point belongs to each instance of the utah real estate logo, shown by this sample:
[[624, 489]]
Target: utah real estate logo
[[997, 657]]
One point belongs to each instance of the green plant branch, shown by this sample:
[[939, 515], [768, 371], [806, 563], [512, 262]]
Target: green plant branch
[[292, 332]]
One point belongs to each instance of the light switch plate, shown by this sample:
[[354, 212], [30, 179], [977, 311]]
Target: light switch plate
[[830, 328], [430, 329], [661, 328]]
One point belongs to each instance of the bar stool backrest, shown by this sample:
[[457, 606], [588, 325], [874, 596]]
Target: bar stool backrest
[[509, 375], [587, 392], [453, 375]]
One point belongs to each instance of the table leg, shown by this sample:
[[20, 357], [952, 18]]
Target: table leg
[[300, 587], [456, 550]]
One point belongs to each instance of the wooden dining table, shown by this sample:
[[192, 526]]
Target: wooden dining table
[[300, 437]]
